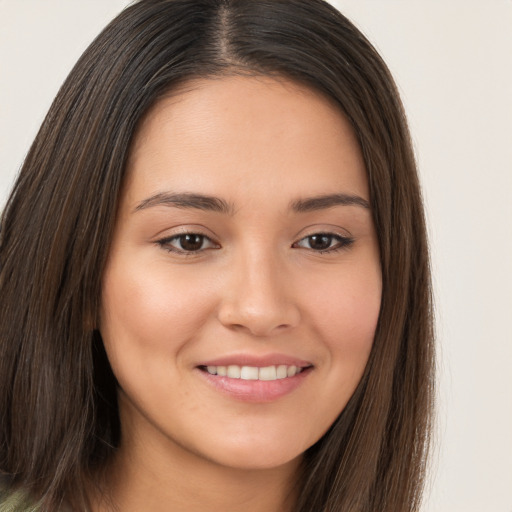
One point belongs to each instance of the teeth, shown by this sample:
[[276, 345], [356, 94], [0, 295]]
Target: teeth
[[282, 371], [249, 373], [234, 371], [291, 371], [268, 373]]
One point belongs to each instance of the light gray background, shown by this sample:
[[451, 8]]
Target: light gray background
[[452, 60]]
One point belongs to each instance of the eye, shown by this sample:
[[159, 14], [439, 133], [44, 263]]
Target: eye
[[187, 243], [324, 242]]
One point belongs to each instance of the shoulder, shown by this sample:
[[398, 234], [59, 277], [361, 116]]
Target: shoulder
[[15, 501]]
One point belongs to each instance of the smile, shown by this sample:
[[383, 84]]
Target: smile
[[259, 382], [266, 373]]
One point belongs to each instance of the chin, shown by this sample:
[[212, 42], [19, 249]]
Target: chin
[[257, 454], [250, 460]]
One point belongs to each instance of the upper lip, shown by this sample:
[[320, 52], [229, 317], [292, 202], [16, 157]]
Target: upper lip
[[257, 360]]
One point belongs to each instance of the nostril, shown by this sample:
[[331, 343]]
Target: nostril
[[261, 320]]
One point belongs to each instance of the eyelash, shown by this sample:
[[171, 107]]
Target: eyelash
[[342, 243], [165, 243]]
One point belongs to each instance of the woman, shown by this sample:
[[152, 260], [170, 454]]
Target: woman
[[214, 273]]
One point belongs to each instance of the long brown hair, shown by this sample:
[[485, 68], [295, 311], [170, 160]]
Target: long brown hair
[[58, 410]]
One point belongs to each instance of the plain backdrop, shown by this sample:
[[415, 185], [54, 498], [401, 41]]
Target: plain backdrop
[[452, 60]]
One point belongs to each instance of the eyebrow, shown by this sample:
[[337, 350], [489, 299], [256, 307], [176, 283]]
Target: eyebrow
[[187, 200], [328, 201], [215, 204]]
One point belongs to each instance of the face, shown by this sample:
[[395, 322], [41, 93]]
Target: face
[[243, 285]]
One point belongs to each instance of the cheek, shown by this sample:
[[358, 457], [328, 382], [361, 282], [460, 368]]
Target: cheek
[[350, 321], [149, 315], [348, 306], [146, 309], [346, 315]]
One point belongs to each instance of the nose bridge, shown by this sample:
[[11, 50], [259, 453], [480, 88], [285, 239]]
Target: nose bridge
[[262, 273], [257, 298]]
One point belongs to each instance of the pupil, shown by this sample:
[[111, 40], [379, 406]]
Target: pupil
[[191, 242], [320, 242]]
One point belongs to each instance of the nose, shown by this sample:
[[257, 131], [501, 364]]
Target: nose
[[257, 297]]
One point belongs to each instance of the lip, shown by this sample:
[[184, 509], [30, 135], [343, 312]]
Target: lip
[[255, 391], [257, 360]]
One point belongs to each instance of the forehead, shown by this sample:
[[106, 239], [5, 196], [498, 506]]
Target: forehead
[[214, 136]]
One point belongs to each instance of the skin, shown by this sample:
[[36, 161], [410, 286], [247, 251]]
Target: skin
[[258, 285]]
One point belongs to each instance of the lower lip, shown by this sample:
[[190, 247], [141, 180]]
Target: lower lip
[[256, 391]]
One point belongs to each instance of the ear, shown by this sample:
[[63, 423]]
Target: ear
[[92, 318]]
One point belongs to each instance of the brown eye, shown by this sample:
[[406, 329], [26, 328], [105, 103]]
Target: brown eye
[[191, 242], [320, 242], [324, 242], [187, 243]]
